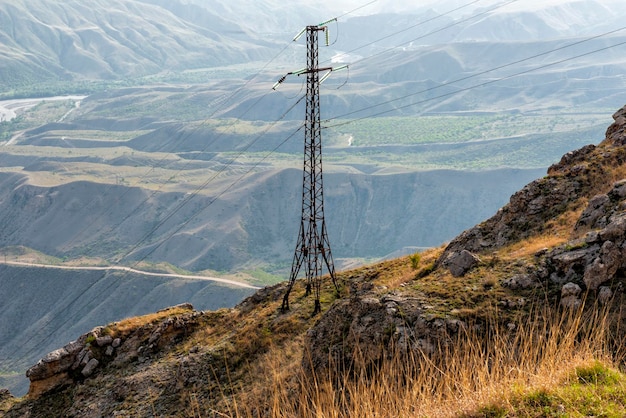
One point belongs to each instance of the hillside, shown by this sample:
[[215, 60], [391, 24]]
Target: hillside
[[113, 40], [253, 224], [35, 300], [531, 297]]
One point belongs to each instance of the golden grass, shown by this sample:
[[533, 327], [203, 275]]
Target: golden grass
[[558, 232], [482, 371], [126, 326], [6, 404]]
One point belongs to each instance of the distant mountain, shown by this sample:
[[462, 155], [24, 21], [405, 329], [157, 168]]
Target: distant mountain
[[118, 39], [523, 21]]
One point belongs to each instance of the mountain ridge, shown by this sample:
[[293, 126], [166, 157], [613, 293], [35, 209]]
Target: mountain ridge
[[99, 41]]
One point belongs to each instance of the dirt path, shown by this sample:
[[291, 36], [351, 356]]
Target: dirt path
[[131, 270]]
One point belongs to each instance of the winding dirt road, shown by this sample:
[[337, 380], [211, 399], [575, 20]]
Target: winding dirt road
[[131, 270]]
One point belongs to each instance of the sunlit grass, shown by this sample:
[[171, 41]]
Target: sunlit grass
[[552, 365]]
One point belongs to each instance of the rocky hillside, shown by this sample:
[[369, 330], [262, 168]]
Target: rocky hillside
[[556, 247]]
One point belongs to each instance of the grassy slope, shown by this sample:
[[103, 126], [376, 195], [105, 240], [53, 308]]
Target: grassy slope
[[248, 359], [245, 360]]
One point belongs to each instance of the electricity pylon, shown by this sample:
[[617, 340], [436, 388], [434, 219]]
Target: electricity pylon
[[313, 246]]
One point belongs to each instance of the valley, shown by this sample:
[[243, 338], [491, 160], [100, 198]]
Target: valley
[[145, 135]]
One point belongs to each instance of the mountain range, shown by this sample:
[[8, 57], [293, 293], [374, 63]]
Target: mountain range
[[522, 313], [174, 148]]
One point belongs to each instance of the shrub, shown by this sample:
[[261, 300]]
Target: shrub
[[415, 260]]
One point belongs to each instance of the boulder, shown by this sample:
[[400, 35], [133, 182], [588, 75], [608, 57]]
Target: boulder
[[570, 296], [520, 281], [90, 367], [104, 341], [459, 263], [604, 267], [52, 364], [605, 294]]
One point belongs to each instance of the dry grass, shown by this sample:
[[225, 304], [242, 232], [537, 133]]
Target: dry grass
[[558, 232], [126, 326], [6, 404], [494, 372]]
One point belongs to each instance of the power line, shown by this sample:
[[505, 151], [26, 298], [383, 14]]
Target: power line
[[207, 119], [455, 23], [473, 76], [357, 9], [271, 152], [181, 138], [203, 186], [197, 190], [439, 16], [125, 274]]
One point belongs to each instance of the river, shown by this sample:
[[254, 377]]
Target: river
[[9, 108]]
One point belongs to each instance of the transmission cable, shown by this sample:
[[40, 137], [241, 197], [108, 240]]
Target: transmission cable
[[254, 167], [178, 208], [463, 89], [182, 137], [125, 274], [455, 23]]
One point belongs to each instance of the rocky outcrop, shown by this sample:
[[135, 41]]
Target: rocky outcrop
[[365, 330], [600, 255], [61, 367], [578, 175], [96, 349], [588, 262]]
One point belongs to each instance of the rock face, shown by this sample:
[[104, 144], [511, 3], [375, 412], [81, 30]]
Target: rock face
[[575, 177], [587, 262], [83, 358], [593, 261], [365, 329]]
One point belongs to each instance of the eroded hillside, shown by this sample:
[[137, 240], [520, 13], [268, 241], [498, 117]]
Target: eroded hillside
[[556, 248]]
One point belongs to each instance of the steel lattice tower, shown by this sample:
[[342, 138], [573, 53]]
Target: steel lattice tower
[[313, 246]]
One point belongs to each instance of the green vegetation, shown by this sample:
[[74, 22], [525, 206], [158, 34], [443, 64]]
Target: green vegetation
[[37, 87], [262, 277], [461, 141], [35, 116], [596, 389], [415, 260], [447, 129], [25, 254]]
